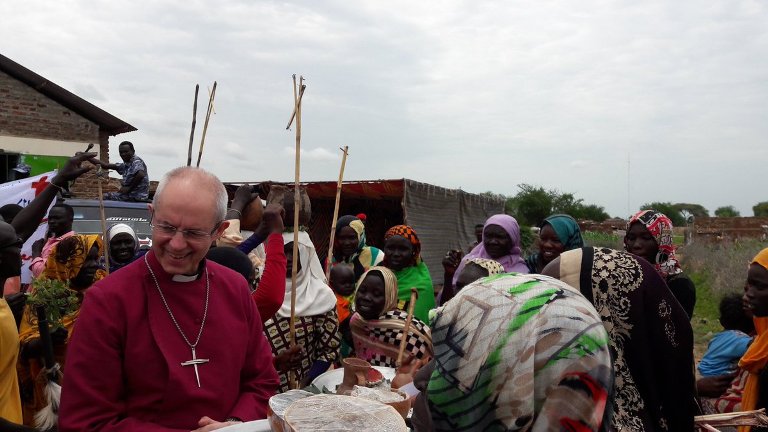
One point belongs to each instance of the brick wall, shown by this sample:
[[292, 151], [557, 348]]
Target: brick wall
[[86, 187], [24, 112]]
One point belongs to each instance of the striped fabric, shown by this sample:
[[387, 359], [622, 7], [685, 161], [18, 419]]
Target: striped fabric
[[519, 352]]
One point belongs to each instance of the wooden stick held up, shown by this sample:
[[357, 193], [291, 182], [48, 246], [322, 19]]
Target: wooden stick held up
[[408, 319], [335, 213], [194, 122], [205, 126], [101, 172], [292, 382]]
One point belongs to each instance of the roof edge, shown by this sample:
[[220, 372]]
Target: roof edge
[[106, 121]]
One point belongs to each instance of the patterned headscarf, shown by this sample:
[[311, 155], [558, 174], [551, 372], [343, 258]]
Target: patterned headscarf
[[68, 256], [390, 287], [409, 234], [492, 266], [357, 225], [660, 227], [377, 341], [519, 352], [567, 230]]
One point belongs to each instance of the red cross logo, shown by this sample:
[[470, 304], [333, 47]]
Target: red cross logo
[[40, 185]]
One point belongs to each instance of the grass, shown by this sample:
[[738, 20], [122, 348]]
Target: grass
[[716, 269], [601, 239], [706, 316]]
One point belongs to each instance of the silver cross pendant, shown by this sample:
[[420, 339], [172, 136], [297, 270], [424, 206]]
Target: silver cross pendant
[[194, 362]]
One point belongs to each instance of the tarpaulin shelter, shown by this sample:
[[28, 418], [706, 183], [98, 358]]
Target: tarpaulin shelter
[[443, 218]]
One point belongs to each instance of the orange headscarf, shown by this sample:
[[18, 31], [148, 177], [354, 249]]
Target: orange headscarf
[[756, 357]]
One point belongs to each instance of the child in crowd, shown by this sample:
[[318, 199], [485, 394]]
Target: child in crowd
[[726, 348], [343, 284]]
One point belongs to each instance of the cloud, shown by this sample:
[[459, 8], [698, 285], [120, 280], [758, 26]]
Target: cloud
[[483, 95], [316, 154], [578, 164]]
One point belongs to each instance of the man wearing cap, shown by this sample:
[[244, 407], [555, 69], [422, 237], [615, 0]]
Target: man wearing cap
[[21, 171]]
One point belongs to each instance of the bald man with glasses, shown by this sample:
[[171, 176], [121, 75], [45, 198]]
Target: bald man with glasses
[[172, 341]]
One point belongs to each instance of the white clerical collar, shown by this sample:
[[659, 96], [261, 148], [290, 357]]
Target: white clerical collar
[[185, 278]]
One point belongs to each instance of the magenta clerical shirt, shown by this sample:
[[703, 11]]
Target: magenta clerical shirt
[[124, 370]]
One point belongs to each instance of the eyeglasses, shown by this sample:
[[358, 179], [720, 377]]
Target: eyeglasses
[[188, 234]]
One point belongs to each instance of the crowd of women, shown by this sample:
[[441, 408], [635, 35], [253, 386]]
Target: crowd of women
[[571, 337]]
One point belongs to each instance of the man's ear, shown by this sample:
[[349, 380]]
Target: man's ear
[[220, 231]]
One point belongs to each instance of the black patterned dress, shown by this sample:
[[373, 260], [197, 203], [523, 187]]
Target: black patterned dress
[[318, 334]]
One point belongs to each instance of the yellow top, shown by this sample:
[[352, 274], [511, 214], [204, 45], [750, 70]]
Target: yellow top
[[10, 401]]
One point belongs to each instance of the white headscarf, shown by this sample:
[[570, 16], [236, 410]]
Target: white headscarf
[[120, 229], [313, 295]]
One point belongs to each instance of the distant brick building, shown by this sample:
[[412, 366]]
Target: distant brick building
[[42, 124], [719, 228]]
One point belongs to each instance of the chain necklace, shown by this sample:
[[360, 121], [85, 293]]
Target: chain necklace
[[194, 361]]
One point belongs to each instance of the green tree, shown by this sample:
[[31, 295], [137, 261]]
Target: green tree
[[534, 203], [761, 209], [727, 211], [687, 210], [668, 209], [592, 212], [566, 203], [531, 205]]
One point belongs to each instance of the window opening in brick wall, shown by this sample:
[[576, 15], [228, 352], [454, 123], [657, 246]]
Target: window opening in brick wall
[[8, 162]]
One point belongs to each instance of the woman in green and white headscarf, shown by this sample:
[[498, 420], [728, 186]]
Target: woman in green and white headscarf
[[349, 246]]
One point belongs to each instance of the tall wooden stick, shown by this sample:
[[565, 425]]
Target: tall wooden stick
[[335, 214], [296, 204], [194, 122], [99, 175], [205, 126], [301, 93], [408, 319]]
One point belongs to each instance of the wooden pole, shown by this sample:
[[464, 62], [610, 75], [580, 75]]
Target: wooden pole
[[194, 122], [408, 319], [99, 175], [205, 126], [292, 381], [293, 115], [335, 214]]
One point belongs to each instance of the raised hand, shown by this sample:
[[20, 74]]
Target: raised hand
[[271, 221], [73, 169]]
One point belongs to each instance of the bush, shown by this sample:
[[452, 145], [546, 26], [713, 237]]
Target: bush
[[528, 241], [723, 264], [601, 239]]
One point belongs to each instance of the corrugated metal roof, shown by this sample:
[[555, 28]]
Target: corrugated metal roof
[[106, 121]]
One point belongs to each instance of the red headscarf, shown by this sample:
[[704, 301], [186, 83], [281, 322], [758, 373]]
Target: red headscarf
[[660, 227]]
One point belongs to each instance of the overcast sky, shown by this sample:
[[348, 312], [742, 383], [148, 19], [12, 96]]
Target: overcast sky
[[477, 95]]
